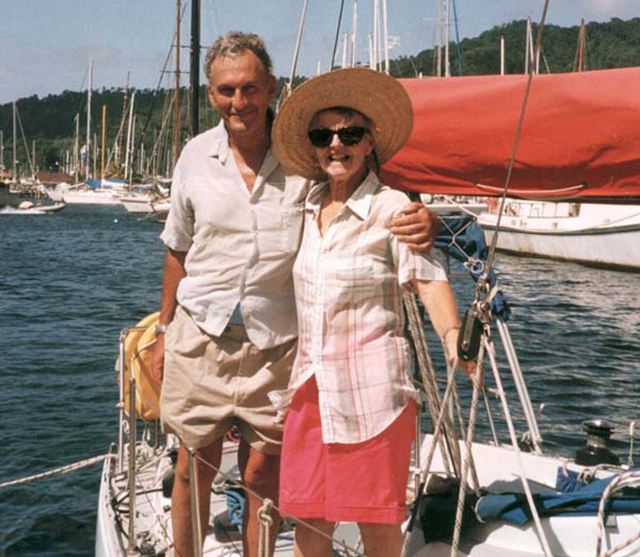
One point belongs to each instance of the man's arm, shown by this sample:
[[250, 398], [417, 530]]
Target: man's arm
[[416, 226], [174, 272]]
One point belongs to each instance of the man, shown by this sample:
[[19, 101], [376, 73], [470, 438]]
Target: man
[[232, 236]]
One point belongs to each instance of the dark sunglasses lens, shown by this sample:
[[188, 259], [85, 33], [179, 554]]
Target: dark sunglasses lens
[[320, 137], [351, 135]]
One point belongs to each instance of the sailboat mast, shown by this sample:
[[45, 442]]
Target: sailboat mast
[[104, 127], [176, 99], [195, 66], [354, 59], [76, 154], [439, 38], [581, 47], [15, 145], [1, 150], [88, 152], [447, 16], [385, 36]]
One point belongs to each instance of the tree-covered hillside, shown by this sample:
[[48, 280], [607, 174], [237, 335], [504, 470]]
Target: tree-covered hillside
[[50, 121]]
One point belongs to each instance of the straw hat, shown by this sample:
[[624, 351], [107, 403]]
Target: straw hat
[[378, 96]]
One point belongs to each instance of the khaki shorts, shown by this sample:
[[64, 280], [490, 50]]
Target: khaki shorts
[[213, 383]]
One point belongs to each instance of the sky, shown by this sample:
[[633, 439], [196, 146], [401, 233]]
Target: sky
[[47, 44]]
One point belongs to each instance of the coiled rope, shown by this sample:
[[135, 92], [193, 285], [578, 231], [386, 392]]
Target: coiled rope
[[628, 479], [57, 471]]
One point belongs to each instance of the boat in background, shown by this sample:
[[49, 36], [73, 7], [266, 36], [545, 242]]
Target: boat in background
[[30, 208], [595, 234], [93, 192]]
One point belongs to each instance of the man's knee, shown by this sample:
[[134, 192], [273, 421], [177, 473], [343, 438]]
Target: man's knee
[[261, 473], [207, 461]]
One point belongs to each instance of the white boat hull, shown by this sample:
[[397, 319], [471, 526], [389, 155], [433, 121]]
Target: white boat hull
[[568, 536], [601, 235], [91, 198], [137, 204]]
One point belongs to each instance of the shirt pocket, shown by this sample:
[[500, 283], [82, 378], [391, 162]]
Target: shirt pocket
[[351, 283], [292, 222]]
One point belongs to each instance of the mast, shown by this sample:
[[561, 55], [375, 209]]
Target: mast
[[354, 59], [376, 26], [104, 127], [15, 145], [195, 66], [1, 150], [385, 36], [122, 121], [345, 48], [129, 134], [438, 38], [176, 98], [581, 47], [88, 152], [76, 153], [501, 54], [447, 65]]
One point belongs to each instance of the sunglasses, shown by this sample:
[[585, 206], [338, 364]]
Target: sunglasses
[[349, 136]]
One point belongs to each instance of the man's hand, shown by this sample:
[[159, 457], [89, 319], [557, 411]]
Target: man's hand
[[157, 368], [416, 226]]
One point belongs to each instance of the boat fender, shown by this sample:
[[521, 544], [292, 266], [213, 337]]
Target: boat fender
[[138, 347]]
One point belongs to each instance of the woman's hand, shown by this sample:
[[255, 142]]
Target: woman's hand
[[450, 341]]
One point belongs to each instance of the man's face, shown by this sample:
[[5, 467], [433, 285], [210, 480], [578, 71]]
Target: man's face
[[241, 89]]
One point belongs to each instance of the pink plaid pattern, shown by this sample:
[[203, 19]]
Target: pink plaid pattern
[[348, 287]]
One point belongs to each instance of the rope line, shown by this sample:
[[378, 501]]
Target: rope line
[[628, 479], [57, 471]]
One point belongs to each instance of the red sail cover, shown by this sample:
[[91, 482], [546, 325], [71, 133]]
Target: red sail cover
[[580, 139]]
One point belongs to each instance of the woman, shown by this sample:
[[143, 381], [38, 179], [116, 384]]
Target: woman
[[351, 421]]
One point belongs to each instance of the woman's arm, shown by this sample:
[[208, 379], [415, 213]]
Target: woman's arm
[[439, 301]]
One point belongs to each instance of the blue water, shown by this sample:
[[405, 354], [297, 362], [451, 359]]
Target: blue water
[[70, 282]]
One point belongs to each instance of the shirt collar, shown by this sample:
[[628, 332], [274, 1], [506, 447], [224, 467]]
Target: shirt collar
[[359, 202], [219, 146]]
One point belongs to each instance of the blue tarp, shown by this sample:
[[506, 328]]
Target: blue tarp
[[513, 507], [462, 238]]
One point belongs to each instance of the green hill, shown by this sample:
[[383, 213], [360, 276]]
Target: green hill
[[50, 121]]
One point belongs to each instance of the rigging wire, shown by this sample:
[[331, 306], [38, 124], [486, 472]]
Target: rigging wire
[[455, 21], [482, 282]]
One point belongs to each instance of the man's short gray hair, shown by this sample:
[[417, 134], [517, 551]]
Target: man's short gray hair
[[234, 43]]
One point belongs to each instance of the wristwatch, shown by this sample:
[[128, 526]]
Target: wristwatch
[[159, 329]]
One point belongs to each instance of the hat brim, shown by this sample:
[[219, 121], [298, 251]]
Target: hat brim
[[378, 96]]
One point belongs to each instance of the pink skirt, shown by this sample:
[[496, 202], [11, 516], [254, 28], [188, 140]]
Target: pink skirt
[[363, 482]]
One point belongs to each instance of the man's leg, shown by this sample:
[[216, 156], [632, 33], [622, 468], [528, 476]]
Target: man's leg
[[181, 495], [314, 543], [381, 540], [260, 475]]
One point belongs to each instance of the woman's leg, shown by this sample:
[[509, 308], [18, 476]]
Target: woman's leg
[[315, 542], [381, 540]]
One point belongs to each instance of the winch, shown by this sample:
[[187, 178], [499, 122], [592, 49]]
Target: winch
[[597, 450]]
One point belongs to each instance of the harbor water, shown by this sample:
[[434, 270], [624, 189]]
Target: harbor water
[[69, 283]]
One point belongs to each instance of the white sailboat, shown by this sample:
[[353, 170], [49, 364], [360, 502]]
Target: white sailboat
[[604, 235]]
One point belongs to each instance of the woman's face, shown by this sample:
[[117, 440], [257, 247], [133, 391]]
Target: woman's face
[[341, 162]]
